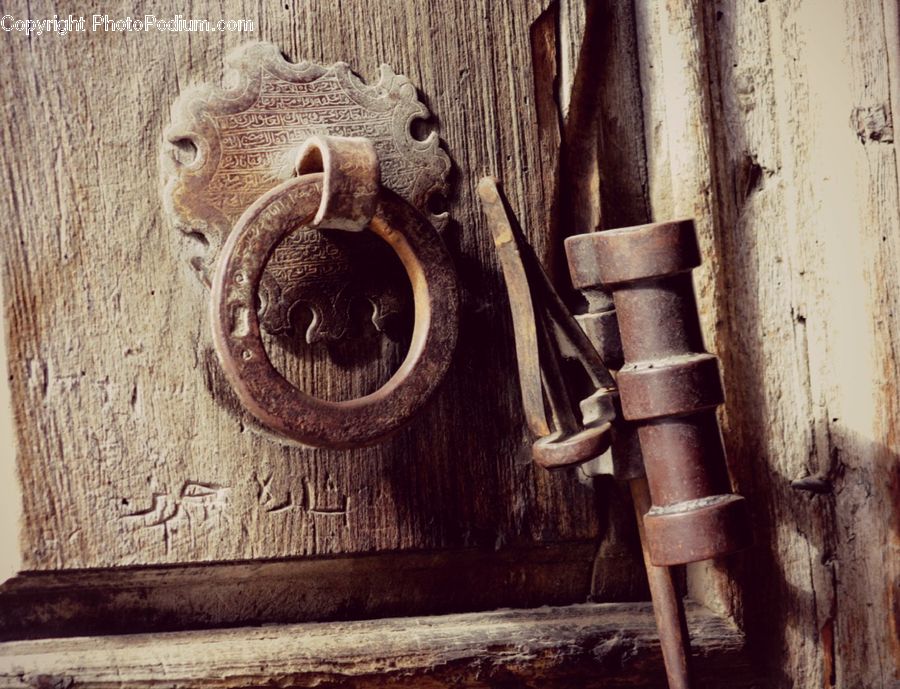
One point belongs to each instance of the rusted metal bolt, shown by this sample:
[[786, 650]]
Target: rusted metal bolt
[[669, 386]]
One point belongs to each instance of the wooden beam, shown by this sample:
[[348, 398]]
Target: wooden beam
[[588, 645], [174, 598]]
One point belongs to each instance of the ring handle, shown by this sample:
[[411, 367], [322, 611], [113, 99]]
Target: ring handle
[[344, 196]]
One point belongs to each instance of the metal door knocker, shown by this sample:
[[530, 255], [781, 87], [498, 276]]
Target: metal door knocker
[[345, 196], [272, 173]]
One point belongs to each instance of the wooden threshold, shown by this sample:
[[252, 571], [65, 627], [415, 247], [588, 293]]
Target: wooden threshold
[[127, 600], [588, 645]]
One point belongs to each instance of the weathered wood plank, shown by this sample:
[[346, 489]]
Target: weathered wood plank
[[10, 493], [772, 123], [587, 646], [170, 598]]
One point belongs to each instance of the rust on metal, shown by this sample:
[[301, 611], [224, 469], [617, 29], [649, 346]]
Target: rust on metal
[[345, 195], [601, 326], [350, 187], [521, 308], [669, 386], [545, 333], [668, 608], [224, 147]]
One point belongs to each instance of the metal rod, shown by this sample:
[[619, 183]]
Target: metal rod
[[668, 608]]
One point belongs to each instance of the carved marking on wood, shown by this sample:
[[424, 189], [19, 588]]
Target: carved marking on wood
[[194, 504], [327, 500], [226, 147], [272, 504]]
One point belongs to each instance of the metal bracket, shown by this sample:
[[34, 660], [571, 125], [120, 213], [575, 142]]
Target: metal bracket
[[545, 333]]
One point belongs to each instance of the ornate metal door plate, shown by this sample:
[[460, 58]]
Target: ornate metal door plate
[[225, 146]]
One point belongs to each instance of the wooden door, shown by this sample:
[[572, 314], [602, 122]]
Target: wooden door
[[136, 464], [145, 504]]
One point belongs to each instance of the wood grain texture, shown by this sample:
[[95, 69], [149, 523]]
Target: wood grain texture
[[10, 494], [129, 452], [771, 123], [578, 646]]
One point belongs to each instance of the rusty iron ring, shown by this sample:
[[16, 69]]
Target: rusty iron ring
[[264, 392]]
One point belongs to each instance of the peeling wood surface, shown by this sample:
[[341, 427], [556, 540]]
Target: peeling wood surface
[[129, 448], [584, 645], [771, 122]]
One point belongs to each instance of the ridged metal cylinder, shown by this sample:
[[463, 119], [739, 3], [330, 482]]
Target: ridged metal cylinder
[[669, 386]]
